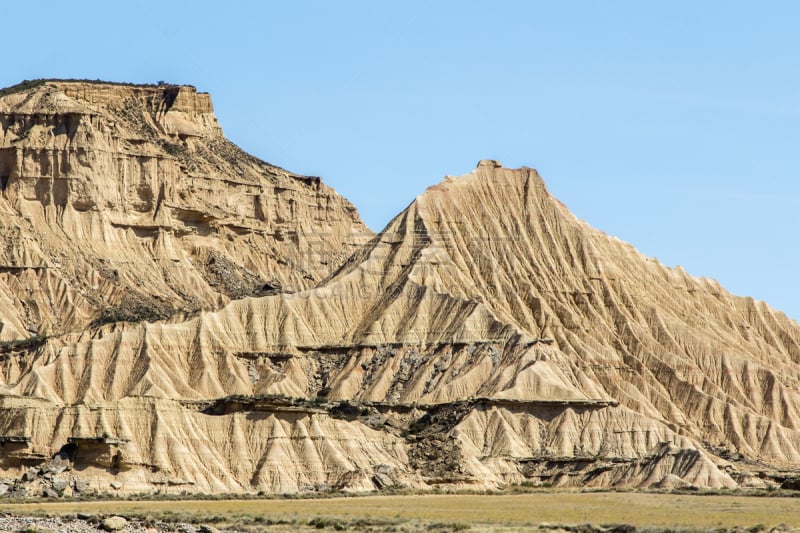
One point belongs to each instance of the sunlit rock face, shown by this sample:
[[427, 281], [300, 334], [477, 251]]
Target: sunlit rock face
[[485, 337], [127, 202]]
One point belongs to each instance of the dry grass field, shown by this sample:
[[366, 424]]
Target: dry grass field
[[481, 512]]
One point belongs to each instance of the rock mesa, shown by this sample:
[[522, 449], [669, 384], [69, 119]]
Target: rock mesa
[[485, 337]]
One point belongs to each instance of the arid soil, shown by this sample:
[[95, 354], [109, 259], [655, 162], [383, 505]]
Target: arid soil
[[485, 338]]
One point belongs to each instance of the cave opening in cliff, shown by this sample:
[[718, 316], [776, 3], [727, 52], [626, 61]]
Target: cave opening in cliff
[[3, 183]]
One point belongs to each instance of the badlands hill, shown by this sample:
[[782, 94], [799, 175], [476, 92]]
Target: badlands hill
[[485, 337], [126, 202]]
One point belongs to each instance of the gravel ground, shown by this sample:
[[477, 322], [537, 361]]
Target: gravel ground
[[75, 525]]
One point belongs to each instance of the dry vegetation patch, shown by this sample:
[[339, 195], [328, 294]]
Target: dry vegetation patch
[[456, 512]]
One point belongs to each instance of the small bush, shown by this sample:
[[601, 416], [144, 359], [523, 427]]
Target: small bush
[[173, 149], [419, 425], [22, 344], [345, 411], [456, 526], [322, 523]]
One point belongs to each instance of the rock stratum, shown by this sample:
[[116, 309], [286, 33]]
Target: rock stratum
[[485, 337], [128, 203]]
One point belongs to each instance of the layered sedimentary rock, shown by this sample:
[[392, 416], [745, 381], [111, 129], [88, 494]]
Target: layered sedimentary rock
[[128, 203], [485, 337]]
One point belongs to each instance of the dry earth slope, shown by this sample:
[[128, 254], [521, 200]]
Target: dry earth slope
[[126, 202], [486, 336]]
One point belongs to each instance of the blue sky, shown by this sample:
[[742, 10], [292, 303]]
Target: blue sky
[[672, 125]]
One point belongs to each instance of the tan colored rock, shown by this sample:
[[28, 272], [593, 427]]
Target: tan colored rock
[[127, 203], [113, 523], [485, 337]]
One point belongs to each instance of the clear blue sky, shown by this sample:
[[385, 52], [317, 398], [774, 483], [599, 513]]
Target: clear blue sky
[[673, 125]]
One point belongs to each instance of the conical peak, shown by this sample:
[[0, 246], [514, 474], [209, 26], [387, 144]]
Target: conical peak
[[489, 186], [494, 168]]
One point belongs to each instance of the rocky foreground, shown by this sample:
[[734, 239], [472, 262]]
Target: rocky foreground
[[95, 524], [92, 524]]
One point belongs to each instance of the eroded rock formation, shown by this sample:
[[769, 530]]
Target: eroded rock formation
[[486, 336], [128, 203]]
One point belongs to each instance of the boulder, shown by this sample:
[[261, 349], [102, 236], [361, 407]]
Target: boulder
[[82, 486], [113, 523], [31, 474], [59, 483]]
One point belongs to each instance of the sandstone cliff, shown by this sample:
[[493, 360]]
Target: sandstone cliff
[[486, 336], [127, 203]]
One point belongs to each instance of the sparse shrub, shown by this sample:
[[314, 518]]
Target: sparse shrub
[[173, 149], [32, 84], [441, 526], [419, 425], [345, 410], [322, 523], [22, 344]]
